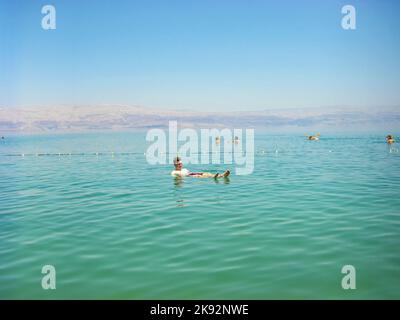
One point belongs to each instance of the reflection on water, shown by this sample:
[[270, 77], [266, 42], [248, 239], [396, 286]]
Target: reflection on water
[[392, 149], [178, 181], [224, 180]]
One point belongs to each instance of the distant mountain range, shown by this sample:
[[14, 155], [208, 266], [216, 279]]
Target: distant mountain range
[[117, 117]]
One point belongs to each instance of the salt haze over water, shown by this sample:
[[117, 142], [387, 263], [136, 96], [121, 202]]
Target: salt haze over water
[[81, 118]]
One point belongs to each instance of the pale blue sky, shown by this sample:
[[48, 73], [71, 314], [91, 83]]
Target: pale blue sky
[[202, 55]]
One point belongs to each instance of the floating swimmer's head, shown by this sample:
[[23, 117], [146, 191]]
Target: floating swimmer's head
[[178, 163]]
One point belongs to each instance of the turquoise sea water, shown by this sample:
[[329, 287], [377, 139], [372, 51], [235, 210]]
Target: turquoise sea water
[[114, 226]]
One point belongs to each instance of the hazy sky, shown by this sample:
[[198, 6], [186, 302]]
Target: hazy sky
[[200, 54]]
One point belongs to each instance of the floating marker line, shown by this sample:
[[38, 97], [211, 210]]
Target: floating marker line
[[64, 154]]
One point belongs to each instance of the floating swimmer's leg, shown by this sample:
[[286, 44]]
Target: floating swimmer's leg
[[223, 175], [211, 175], [204, 175], [226, 173]]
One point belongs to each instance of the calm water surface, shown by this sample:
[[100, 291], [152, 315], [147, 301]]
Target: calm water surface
[[116, 227]]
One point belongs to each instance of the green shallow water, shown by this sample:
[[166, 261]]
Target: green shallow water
[[116, 227]]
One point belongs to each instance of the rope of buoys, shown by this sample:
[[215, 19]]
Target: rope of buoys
[[61, 154]]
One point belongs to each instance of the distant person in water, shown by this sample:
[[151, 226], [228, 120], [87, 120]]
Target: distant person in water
[[390, 139], [181, 172], [316, 137]]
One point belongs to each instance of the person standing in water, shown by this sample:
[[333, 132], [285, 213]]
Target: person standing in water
[[390, 139], [182, 172]]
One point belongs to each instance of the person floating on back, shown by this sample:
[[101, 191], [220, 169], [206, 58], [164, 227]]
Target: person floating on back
[[316, 137], [390, 139], [182, 172]]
